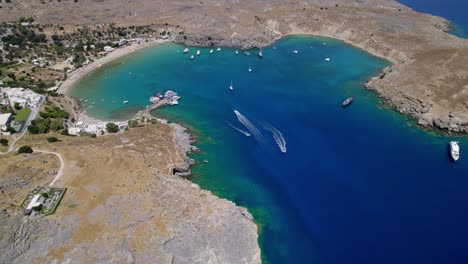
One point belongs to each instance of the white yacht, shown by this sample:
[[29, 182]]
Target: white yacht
[[454, 150], [198, 52], [231, 87], [186, 50], [218, 49], [211, 51], [192, 57]]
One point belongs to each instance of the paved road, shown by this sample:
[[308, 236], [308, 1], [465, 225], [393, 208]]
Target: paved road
[[24, 129]]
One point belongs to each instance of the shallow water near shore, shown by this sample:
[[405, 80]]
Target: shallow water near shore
[[357, 185]]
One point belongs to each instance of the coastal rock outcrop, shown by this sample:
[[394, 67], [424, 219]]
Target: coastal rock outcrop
[[122, 206]]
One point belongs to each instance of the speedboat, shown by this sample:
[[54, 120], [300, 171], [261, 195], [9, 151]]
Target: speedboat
[[260, 54], [125, 102], [454, 150], [218, 49], [250, 68], [231, 87], [295, 52], [211, 51], [186, 50], [347, 102], [198, 52], [327, 59], [192, 57]]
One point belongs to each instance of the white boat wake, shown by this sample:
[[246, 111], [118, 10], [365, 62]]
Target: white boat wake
[[253, 130], [277, 136], [247, 134]]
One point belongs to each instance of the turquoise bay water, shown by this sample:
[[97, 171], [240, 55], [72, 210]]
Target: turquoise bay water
[[453, 10], [357, 185]]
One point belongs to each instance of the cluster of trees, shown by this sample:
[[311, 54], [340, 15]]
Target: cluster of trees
[[21, 36]]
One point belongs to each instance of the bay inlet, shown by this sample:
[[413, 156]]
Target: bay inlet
[[360, 184]]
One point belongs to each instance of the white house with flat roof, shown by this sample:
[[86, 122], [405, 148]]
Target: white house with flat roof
[[5, 120]]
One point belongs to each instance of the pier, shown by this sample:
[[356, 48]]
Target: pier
[[147, 111]]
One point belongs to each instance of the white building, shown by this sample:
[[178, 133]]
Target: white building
[[108, 48], [5, 120], [74, 131], [24, 97]]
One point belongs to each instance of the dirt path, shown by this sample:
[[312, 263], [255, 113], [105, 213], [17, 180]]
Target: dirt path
[[62, 164]]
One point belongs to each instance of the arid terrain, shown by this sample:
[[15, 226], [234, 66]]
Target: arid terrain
[[428, 79], [123, 205]]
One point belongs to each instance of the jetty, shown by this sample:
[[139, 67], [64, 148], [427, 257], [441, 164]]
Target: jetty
[[147, 111]]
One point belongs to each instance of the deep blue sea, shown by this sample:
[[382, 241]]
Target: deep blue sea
[[453, 10], [360, 184]]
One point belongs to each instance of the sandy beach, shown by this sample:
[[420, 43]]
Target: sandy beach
[[117, 53]]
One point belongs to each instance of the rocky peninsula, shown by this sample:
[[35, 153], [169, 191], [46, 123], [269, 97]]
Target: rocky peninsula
[[123, 205]]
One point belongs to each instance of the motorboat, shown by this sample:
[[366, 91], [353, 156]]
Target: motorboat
[[231, 87], [327, 59], [296, 52], [192, 57], [211, 51], [237, 52], [198, 52], [218, 49], [454, 150], [186, 50], [347, 102], [125, 102], [250, 68], [247, 53], [260, 54]]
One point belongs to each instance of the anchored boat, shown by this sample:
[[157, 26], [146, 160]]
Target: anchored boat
[[347, 102], [454, 150], [231, 87]]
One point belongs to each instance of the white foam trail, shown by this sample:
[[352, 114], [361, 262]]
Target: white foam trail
[[240, 130], [253, 130], [277, 136]]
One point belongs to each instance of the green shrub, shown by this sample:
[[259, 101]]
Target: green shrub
[[25, 149], [112, 128], [93, 135], [52, 139], [4, 142], [39, 126]]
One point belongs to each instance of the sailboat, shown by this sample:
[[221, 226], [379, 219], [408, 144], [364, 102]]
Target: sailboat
[[231, 87]]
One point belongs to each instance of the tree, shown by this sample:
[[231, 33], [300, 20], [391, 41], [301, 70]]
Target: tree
[[39, 126], [25, 149], [52, 139], [112, 128], [17, 106], [132, 123], [56, 125], [4, 142]]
